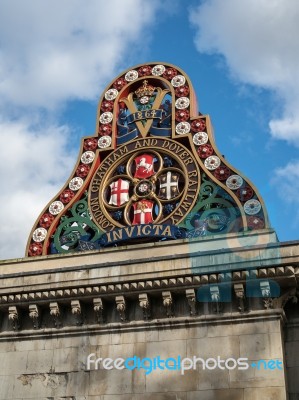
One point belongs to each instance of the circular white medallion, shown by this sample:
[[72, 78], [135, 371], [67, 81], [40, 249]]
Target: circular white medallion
[[39, 234], [131, 75], [56, 207], [212, 162], [87, 157], [143, 187], [178, 80], [144, 100], [200, 138], [234, 182], [252, 207], [106, 117], [182, 128], [111, 94], [76, 183], [158, 70], [182, 102], [104, 141]]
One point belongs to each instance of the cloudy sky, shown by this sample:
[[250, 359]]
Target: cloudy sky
[[56, 57]]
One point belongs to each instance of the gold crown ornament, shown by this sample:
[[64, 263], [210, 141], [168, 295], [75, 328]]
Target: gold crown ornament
[[145, 90]]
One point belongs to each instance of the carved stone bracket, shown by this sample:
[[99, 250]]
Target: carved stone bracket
[[191, 298], [13, 316], [121, 307], [215, 299], [145, 305], [288, 295], [168, 303], [34, 314], [77, 311], [240, 295], [266, 294], [98, 307], [55, 314]]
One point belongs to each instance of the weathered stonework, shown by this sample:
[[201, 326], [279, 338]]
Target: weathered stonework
[[187, 298]]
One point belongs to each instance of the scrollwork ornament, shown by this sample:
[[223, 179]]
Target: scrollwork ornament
[[75, 226]]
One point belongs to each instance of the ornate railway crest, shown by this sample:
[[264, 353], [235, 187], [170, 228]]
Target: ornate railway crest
[[151, 172], [157, 186]]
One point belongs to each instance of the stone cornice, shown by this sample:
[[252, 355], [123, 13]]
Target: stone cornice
[[152, 284], [286, 275]]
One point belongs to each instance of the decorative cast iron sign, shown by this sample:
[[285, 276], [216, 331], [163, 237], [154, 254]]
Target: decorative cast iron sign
[[151, 172]]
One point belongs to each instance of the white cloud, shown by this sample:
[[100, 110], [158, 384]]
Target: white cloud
[[52, 51], [35, 163], [286, 182], [287, 179], [259, 41]]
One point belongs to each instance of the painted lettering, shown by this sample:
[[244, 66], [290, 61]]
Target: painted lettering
[[117, 235], [129, 230], [167, 231], [146, 230]]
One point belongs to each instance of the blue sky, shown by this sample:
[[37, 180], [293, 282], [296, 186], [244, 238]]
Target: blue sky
[[57, 57]]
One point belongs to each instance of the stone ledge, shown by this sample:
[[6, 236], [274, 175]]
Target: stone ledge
[[135, 326], [163, 250]]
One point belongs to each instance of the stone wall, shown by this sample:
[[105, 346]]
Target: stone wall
[[55, 367], [56, 310], [291, 332]]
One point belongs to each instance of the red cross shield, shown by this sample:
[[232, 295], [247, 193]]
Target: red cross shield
[[144, 166], [119, 192], [143, 212]]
